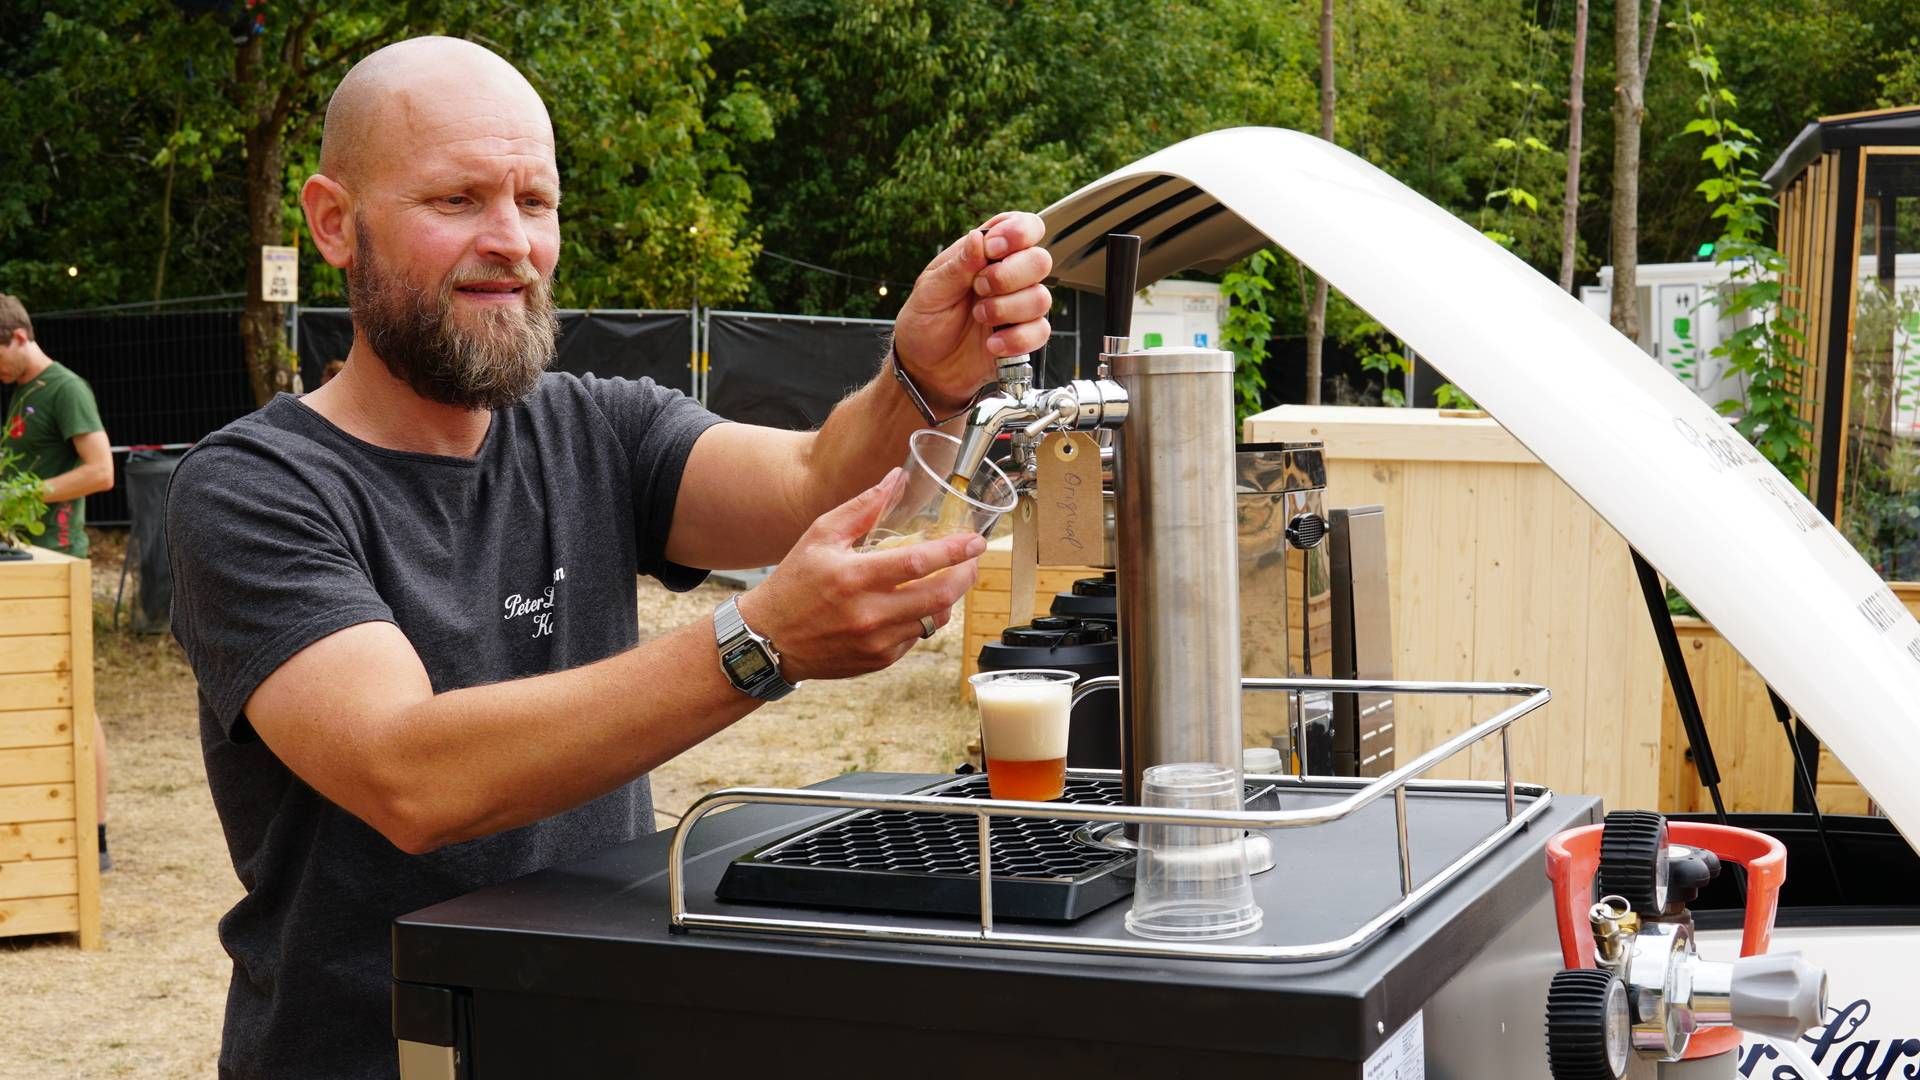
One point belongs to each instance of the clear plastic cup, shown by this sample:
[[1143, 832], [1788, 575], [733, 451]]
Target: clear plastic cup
[[1025, 717], [934, 502], [1191, 881]]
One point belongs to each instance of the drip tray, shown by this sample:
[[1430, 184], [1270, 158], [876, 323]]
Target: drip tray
[[901, 861]]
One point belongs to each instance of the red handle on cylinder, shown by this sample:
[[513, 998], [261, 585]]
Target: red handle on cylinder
[[1573, 859]]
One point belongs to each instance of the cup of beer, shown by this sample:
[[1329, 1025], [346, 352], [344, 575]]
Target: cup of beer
[[935, 501], [1025, 714]]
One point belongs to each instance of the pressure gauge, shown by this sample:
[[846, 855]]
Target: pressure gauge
[[1633, 860], [1589, 1026]]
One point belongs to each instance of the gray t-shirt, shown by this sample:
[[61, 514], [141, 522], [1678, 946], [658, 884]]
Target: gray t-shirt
[[282, 529]]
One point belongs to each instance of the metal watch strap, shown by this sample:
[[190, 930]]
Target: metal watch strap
[[729, 630], [919, 399]]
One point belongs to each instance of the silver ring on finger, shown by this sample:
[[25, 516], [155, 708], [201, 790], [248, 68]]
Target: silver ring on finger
[[926, 627]]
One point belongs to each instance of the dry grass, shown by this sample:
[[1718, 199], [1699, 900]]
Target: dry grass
[[149, 1004]]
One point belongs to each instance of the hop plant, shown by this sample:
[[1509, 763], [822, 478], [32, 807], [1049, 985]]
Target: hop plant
[[21, 507]]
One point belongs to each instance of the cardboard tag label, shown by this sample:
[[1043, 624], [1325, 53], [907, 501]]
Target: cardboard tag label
[[1072, 523], [1026, 534]]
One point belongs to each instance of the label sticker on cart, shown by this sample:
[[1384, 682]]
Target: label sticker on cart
[[1403, 1056]]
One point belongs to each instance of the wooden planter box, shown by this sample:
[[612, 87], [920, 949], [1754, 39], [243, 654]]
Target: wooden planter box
[[49, 853]]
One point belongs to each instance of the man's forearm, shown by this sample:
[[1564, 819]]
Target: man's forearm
[[476, 761], [77, 482]]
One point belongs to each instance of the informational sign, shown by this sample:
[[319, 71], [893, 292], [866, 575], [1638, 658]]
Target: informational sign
[[1403, 1056], [279, 274]]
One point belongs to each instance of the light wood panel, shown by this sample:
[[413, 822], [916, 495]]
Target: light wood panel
[[39, 840], [46, 652], [86, 812], [36, 765], [42, 915], [19, 618], [36, 727], [36, 802], [35, 580], [42, 877], [1499, 572], [36, 690]]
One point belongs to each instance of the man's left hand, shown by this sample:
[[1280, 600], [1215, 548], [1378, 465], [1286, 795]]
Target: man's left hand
[[978, 300]]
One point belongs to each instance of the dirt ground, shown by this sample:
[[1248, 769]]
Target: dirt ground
[[149, 1004]]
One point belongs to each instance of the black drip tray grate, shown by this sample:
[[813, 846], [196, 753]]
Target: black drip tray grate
[[899, 861]]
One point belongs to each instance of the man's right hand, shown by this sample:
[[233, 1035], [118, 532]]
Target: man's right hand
[[833, 612]]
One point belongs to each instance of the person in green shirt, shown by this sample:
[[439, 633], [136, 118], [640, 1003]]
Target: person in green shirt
[[54, 426]]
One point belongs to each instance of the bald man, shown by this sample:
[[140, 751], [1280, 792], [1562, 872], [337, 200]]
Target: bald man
[[408, 595]]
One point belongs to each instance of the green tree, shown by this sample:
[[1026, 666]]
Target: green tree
[[904, 122], [657, 208]]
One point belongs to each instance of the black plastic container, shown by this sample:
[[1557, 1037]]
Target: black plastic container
[[1091, 598]]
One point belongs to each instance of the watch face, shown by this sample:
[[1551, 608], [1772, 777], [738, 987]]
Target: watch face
[[747, 662]]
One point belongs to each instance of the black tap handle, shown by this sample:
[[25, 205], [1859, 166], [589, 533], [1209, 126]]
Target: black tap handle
[[1123, 278]]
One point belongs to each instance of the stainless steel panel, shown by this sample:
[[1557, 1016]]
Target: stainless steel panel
[[1363, 639], [1285, 591], [1488, 1020], [1178, 579]]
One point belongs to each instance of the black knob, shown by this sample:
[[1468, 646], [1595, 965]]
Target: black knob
[[1589, 1030], [1689, 871], [1633, 860], [1306, 531]]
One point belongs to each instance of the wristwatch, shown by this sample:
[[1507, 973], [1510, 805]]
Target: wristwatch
[[749, 660]]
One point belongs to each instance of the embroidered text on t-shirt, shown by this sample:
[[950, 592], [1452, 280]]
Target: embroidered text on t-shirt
[[540, 606]]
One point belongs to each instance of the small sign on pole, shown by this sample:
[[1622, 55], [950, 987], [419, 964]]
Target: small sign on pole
[[279, 274]]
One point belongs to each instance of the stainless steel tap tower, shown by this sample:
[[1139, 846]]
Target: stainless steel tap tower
[[1179, 576], [1171, 414]]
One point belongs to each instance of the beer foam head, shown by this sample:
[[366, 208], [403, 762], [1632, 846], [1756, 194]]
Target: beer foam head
[[1024, 719]]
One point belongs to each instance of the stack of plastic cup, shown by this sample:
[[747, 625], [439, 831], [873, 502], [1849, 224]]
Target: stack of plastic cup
[[1192, 880]]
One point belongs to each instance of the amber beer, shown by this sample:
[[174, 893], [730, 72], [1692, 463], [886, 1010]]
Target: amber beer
[[1024, 719]]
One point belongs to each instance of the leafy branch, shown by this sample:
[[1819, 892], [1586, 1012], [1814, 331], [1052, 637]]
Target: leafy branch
[[1759, 354], [1247, 327]]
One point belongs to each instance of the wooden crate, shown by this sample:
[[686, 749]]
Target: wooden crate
[[989, 602], [1499, 572], [49, 853]]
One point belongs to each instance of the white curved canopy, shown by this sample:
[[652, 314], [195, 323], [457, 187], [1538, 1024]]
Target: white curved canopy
[[1661, 467]]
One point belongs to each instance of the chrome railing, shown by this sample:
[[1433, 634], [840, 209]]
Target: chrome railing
[[1365, 793]]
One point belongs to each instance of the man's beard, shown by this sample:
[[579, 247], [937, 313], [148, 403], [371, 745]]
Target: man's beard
[[422, 344]]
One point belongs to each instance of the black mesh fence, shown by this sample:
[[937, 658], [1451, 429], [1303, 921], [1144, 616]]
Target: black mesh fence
[[160, 378], [787, 371]]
